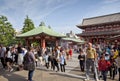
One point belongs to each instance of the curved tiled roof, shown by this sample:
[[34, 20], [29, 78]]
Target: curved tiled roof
[[41, 30], [101, 19], [73, 40]]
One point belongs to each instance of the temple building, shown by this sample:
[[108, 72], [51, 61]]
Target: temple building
[[71, 40], [101, 29], [44, 35]]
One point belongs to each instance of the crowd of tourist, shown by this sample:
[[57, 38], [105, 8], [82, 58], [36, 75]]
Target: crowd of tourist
[[24, 57], [102, 59]]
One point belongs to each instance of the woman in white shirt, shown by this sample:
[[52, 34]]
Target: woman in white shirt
[[9, 59]]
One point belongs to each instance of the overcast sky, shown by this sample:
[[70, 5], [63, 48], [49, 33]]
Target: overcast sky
[[61, 15]]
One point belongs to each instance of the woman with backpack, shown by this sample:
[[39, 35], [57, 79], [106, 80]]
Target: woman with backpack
[[29, 63]]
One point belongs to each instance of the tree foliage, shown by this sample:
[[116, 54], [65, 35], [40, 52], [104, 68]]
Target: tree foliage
[[28, 25], [7, 32], [42, 24], [49, 26]]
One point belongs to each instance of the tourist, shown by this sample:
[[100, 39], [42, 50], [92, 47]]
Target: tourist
[[9, 60], [57, 56], [90, 61], [57, 52], [118, 64], [62, 61], [29, 63], [103, 67], [2, 56], [46, 60], [67, 54], [52, 59], [20, 57], [70, 52], [14, 55], [40, 58], [112, 68], [81, 58], [36, 56]]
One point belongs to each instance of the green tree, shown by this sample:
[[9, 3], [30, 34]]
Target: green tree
[[7, 32], [42, 24], [49, 26], [28, 25]]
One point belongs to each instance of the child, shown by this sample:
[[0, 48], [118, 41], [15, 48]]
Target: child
[[103, 66]]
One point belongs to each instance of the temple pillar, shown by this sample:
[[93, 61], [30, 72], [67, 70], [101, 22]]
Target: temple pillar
[[56, 43], [43, 43], [27, 42]]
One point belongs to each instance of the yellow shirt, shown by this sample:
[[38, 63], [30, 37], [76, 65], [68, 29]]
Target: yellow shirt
[[90, 53], [115, 54]]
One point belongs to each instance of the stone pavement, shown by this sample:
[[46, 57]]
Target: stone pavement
[[72, 73]]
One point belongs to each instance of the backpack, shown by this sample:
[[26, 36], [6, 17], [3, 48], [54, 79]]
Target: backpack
[[25, 58], [26, 62]]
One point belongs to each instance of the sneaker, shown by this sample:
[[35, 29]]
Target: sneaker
[[11, 70]]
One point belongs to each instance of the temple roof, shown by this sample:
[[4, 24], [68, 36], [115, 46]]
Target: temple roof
[[101, 20], [100, 33], [41, 30]]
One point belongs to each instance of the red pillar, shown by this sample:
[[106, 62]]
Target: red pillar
[[27, 42], [56, 42], [43, 43]]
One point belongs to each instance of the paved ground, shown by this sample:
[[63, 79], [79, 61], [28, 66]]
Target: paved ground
[[72, 73]]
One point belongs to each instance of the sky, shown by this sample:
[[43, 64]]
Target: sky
[[61, 15]]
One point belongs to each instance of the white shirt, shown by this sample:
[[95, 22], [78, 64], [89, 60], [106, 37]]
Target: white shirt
[[9, 55]]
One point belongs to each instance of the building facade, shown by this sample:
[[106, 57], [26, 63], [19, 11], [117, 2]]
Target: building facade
[[101, 29]]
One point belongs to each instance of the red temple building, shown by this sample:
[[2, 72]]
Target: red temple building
[[42, 34], [101, 29]]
